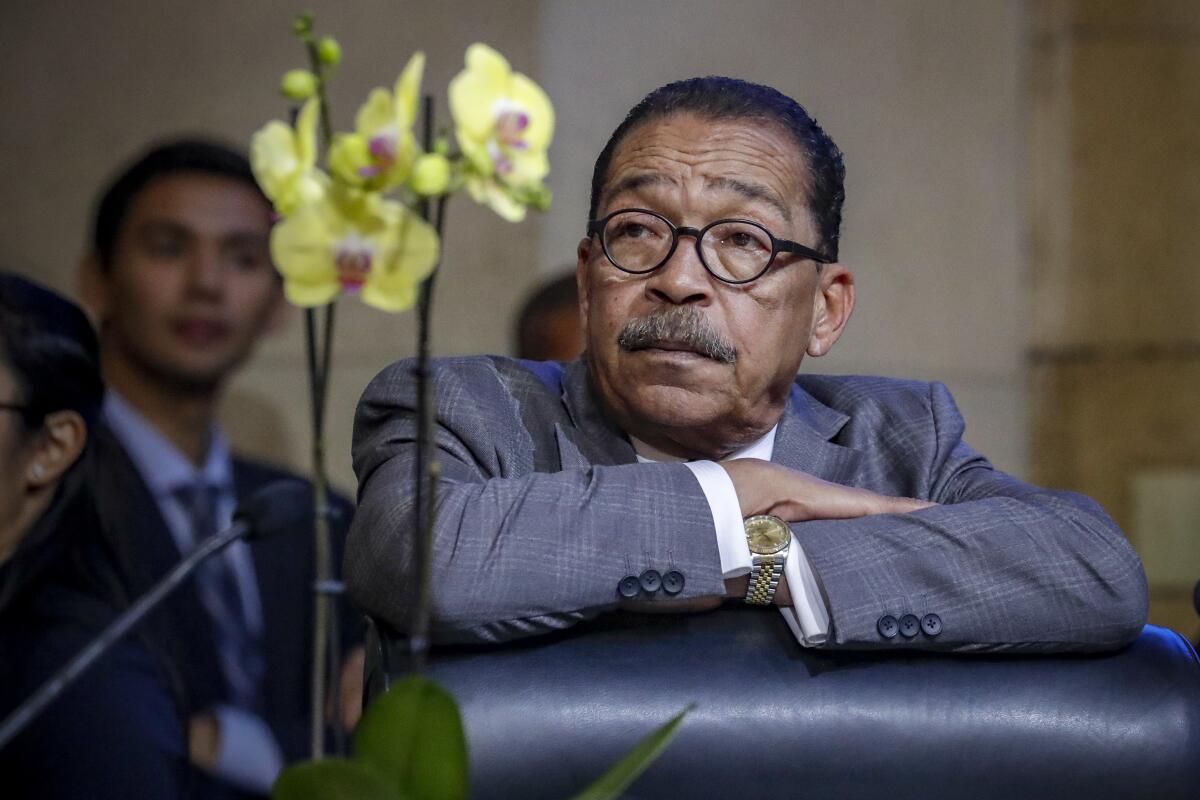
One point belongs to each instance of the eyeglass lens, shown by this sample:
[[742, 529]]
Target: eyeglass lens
[[639, 242]]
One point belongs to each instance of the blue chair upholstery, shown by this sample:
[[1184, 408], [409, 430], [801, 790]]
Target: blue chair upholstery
[[545, 717]]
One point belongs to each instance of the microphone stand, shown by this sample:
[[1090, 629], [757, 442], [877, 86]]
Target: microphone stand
[[52, 688]]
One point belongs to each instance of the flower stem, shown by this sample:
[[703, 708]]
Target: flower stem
[[427, 466], [326, 654]]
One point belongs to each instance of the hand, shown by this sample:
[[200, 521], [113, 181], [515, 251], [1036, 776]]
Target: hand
[[351, 687], [204, 741], [766, 488]]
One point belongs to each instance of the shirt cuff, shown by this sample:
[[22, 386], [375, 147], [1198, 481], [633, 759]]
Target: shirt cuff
[[807, 616], [727, 516], [247, 754]]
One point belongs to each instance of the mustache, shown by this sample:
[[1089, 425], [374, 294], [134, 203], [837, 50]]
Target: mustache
[[679, 326]]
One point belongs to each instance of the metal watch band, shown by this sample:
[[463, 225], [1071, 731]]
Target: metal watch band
[[764, 582]]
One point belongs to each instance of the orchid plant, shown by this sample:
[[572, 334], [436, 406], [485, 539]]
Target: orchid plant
[[361, 213]]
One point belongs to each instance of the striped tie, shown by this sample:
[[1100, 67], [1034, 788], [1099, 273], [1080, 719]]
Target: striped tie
[[238, 648]]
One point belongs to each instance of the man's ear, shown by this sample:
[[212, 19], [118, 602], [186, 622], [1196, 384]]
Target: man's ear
[[832, 306], [279, 314], [58, 445], [583, 254], [93, 285]]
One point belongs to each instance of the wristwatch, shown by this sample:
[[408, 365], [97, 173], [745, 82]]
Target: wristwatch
[[769, 538]]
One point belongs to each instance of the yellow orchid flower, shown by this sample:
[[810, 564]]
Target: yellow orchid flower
[[284, 160], [380, 153], [356, 243], [504, 123]]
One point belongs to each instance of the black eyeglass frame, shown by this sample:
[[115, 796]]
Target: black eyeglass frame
[[596, 226]]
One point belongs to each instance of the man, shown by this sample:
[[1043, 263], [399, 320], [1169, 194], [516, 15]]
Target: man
[[547, 326], [708, 272], [180, 277]]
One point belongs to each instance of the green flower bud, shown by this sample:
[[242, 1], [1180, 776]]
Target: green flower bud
[[302, 25], [441, 146], [329, 52], [430, 174], [298, 84]]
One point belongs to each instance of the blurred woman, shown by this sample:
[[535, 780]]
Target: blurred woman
[[116, 732]]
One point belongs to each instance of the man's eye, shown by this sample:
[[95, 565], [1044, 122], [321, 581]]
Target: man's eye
[[247, 260], [165, 248], [744, 241], [631, 230]]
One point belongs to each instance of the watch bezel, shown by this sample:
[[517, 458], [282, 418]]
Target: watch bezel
[[772, 522]]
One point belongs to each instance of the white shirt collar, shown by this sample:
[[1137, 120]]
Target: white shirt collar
[[163, 467], [762, 448]]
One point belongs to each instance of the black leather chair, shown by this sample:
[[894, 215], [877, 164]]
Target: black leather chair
[[545, 717]]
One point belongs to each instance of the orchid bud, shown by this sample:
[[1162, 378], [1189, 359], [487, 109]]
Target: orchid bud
[[430, 175], [302, 25], [298, 84], [329, 52]]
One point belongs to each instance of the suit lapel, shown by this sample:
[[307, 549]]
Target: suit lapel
[[594, 439], [134, 510], [803, 441]]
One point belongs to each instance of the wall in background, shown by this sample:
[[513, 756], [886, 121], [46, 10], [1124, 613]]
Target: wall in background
[[1115, 364], [927, 100]]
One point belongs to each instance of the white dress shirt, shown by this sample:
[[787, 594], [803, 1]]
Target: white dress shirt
[[807, 616]]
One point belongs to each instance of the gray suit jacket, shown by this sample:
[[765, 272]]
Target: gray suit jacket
[[542, 510]]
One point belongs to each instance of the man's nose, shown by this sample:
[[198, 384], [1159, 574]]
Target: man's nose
[[682, 279], [206, 273]]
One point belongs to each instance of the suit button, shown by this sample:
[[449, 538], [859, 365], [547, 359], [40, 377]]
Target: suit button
[[651, 581], [887, 626], [931, 624], [673, 582], [910, 626], [629, 587]]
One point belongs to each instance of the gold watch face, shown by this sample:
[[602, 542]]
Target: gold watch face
[[767, 534]]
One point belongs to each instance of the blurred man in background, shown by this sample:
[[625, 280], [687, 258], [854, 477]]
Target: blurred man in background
[[548, 327], [180, 277]]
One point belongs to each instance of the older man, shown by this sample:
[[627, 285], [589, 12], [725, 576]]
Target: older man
[[681, 462]]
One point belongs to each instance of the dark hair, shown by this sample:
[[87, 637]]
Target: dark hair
[[51, 348], [715, 97], [198, 156], [555, 293]]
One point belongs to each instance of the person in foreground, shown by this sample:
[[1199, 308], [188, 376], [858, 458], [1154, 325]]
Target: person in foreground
[[683, 462], [180, 277], [117, 732]]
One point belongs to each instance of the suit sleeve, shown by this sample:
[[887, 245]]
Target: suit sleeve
[[515, 552], [1005, 566]]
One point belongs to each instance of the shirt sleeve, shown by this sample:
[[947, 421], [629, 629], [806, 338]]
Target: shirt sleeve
[[248, 755], [808, 618]]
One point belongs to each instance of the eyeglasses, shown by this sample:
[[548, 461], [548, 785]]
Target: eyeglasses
[[735, 251]]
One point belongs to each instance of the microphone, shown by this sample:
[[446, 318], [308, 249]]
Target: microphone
[[274, 509]]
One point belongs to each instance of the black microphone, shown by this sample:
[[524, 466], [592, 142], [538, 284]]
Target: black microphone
[[274, 509]]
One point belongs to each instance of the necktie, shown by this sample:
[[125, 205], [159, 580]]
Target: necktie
[[239, 649]]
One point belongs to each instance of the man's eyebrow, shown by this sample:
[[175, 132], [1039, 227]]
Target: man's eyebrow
[[751, 191], [633, 182], [241, 238]]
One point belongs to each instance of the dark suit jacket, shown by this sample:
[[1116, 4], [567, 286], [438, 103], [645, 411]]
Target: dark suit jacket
[[284, 566], [542, 510], [116, 733]]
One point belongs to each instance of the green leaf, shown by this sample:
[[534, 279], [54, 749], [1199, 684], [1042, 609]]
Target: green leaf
[[333, 779], [413, 735], [625, 771]]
